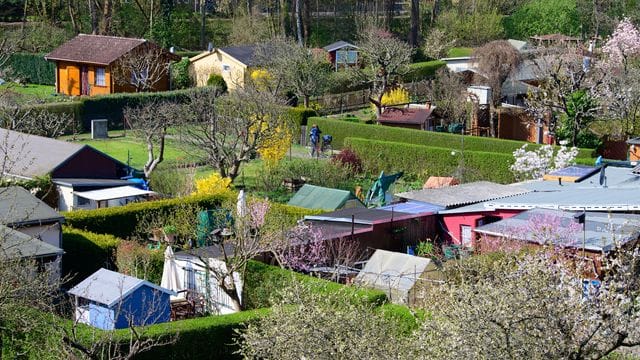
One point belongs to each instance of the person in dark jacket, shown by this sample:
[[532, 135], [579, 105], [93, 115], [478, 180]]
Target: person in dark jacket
[[314, 137]]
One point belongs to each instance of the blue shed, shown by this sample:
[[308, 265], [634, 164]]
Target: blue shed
[[109, 300]]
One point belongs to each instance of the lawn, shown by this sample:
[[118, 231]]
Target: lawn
[[133, 149], [32, 92], [459, 52]]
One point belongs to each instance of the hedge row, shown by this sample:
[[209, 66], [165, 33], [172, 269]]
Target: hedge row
[[341, 129], [424, 161], [121, 221], [86, 252], [33, 68]]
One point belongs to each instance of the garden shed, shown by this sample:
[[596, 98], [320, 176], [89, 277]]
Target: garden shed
[[342, 54], [109, 300], [318, 197], [397, 274]]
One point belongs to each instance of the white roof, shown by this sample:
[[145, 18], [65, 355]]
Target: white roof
[[113, 193], [108, 287], [388, 270]]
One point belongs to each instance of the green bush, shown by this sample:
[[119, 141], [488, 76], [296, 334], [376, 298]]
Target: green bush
[[86, 252], [217, 81], [537, 17], [33, 68], [423, 70], [299, 115], [180, 74], [121, 221], [342, 129], [424, 161]]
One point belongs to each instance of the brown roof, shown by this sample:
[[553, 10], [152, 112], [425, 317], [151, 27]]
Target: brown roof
[[94, 49], [404, 116]]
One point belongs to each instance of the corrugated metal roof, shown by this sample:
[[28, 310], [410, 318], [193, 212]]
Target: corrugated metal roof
[[603, 230], [82, 182], [360, 216], [463, 194], [18, 207], [318, 197], [595, 199], [109, 287], [16, 245]]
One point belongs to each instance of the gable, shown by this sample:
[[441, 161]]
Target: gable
[[91, 164]]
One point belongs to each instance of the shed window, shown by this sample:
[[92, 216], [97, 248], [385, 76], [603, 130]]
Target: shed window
[[100, 77], [226, 67]]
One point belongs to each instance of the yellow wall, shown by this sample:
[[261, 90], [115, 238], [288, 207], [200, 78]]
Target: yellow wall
[[201, 68], [68, 78], [96, 89]]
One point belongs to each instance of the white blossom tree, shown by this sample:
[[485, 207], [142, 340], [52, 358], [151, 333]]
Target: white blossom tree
[[534, 164]]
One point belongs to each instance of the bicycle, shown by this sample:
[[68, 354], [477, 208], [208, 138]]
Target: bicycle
[[326, 145]]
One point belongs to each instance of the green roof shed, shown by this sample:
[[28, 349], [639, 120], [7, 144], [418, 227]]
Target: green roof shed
[[322, 198]]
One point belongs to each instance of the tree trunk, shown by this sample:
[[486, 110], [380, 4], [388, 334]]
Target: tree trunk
[[434, 12], [299, 22], [72, 17], [94, 17], [388, 13], [249, 7], [306, 101], [107, 10], [203, 24], [415, 23], [306, 23]]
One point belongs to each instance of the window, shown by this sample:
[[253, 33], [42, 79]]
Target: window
[[100, 77], [80, 201], [226, 67], [465, 232]]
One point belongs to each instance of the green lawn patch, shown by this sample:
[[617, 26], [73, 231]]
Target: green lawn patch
[[32, 92], [459, 52]]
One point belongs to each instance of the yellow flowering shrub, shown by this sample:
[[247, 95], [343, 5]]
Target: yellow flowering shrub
[[395, 96], [262, 79], [275, 148], [214, 184]]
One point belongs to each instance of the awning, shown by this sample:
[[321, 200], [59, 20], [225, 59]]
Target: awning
[[113, 193]]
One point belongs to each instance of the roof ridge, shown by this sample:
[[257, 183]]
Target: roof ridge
[[113, 37]]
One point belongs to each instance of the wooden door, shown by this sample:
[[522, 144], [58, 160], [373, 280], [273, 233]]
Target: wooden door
[[84, 80], [73, 80]]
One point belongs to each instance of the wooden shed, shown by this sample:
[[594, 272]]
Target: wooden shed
[[85, 64], [342, 54]]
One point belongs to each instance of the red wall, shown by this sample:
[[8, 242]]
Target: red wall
[[452, 222], [89, 163]]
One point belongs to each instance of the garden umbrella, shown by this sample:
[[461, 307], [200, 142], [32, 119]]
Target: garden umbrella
[[170, 274], [242, 204]]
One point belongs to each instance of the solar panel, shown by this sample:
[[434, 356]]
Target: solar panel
[[574, 173]]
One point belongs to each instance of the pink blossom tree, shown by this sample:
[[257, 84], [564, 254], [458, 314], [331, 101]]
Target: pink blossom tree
[[623, 44]]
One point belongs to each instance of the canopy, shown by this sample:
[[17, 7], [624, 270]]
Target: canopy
[[113, 193], [170, 274]]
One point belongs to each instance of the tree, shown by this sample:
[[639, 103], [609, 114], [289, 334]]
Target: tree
[[7, 47], [150, 122], [437, 44], [531, 306], [142, 68], [386, 59], [295, 67], [32, 120], [415, 23], [448, 92], [496, 62], [471, 23], [314, 324], [531, 165], [229, 129], [566, 87], [540, 17]]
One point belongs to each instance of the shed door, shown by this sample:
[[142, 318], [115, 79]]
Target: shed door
[[73, 82], [84, 79], [465, 234]]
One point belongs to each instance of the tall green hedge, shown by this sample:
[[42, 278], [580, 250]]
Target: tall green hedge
[[121, 221], [424, 161], [423, 70], [33, 68], [86, 252], [341, 129]]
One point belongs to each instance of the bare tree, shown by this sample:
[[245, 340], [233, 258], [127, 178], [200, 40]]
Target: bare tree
[[143, 68], [386, 58], [31, 119], [414, 31], [496, 62], [150, 122], [295, 67], [437, 43], [8, 46], [231, 128], [448, 92]]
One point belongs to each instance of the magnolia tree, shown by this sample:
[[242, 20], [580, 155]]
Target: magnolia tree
[[535, 164], [620, 93]]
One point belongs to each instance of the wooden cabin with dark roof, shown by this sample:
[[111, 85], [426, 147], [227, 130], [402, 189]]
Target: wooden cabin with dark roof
[[85, 64]]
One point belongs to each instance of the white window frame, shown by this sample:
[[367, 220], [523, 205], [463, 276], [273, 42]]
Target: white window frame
[[101, 76]]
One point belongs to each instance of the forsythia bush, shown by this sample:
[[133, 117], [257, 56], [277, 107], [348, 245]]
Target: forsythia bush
[[261, 78], [395, 96], [275, 148], [212, 185]]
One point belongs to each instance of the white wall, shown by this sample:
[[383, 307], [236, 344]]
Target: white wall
[[65, 198], [47, 233]]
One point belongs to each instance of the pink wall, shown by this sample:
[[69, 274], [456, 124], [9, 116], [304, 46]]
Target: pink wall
[[453, 222]]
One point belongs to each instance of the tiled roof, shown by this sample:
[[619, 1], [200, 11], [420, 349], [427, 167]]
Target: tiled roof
[[94, 49]]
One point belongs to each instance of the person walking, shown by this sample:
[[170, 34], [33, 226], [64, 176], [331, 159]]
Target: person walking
[[314, 137]]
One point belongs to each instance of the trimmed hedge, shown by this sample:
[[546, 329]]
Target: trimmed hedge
[[299, 115], [86, 252], [423, 70], [33, 68], [424, 161], [342, 129], [121, 221]]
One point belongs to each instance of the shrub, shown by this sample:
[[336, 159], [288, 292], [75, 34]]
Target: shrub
[[172, 181], [395, 96], [347, 157], [86, 252], [122, 221], [135, 259], [341, 129], [180, 74], [217, 81], [32, 68], [213, 185], [299, 115], [321, 173]]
